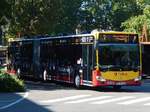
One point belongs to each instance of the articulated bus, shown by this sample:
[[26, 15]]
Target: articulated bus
[[96, 59]]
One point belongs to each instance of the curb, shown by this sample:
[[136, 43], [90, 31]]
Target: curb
[[40, 83]]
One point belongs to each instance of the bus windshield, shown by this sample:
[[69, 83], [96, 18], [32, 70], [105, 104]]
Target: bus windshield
[[119, 56]]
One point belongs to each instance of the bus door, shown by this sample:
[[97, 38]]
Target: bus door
[[87, 55]]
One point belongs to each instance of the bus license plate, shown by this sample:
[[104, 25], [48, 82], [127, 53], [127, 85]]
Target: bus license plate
[[110, 83], [121, 83]]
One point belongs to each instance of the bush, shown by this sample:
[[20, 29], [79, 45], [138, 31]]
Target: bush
[[9, 83]]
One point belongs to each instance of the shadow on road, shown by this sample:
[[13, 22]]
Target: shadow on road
[[123, 89], [143, 88], [27, 105], [48, 86], [10, 102], [52, 86]]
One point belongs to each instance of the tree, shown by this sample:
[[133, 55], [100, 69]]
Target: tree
[[4, 9], [135, 24], [4, 19], [40, 17], [123, 10], [94, 14], [107, 14]]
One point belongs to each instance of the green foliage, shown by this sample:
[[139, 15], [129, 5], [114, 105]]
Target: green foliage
[[136, 23], [10, 83], [4, 9], [123, 10], [40, 17], [107, 14]]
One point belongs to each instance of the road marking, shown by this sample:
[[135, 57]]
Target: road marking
[[147, 104], [6, 101], [135, 101], [113, 100], [13, 103], [65, 99], [89, 99]]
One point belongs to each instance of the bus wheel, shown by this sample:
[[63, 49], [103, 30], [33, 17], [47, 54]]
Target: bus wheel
[[117, 87], [77, 81]]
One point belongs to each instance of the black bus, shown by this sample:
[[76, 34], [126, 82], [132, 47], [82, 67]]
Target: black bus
[[98, 59]]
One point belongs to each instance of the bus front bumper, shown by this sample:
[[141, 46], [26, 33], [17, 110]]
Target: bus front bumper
[[113, 83]]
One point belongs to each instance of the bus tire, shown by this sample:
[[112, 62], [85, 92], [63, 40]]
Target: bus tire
[[77, 81], [117, 87]]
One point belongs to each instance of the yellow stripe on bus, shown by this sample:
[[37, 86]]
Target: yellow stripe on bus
[[120, 75]]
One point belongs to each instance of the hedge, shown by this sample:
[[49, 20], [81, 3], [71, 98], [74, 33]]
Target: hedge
[[10, 83]]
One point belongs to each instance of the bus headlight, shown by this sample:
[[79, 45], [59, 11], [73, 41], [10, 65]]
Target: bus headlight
[[100, 78], [138, 78]]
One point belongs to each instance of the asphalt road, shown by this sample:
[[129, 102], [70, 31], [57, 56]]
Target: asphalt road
[[51, 97]]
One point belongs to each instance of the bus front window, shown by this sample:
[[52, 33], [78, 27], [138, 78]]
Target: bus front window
[[118, 56]]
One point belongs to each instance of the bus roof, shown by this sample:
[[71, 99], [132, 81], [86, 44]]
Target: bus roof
[[49, 37], [70, 36], [117, 32]]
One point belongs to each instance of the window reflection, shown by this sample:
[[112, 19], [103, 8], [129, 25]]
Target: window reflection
[[122, 55]]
